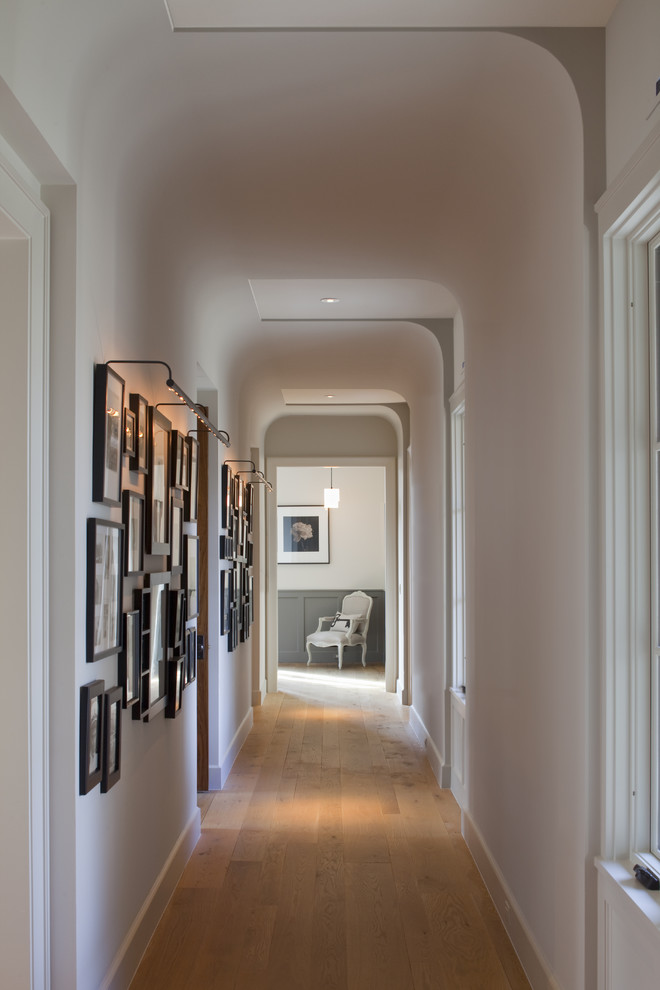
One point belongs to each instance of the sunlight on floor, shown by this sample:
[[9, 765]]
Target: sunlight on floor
[[348, 683]]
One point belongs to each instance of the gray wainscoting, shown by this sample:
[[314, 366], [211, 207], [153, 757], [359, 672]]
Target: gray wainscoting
[[298, 616]]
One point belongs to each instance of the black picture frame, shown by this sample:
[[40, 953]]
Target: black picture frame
[[177, 619], [226, 599], [191, 575], [191, 495], [91, 735], [232, 637], [142, 604], [227, 497], [158, 487], [155, 682], [105, 556], [175, 675], [133, 520], [191, 655], [130, 658], [107, 440], [177, 440], [112, 704], [139, 406], [176, 534], [184, 481], [129, 432]]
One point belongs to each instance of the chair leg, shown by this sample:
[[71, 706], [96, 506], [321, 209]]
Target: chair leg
[[340, 654], [309, 654], [364, 654]]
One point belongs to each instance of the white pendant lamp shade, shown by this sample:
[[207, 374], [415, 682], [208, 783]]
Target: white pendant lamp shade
[[330, 495]]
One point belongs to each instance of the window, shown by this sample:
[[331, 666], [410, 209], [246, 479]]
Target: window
[[629, 508], [654, 471], [458, 541]]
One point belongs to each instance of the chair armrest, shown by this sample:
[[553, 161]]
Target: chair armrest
[[322, 619]]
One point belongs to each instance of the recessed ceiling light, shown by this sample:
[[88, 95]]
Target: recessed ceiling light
[[329, 299]]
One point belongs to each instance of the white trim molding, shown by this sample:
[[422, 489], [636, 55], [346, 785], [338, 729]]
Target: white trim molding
[[536, 966], [441, 770], [218, 774], [19, 201], [629, 218], [125, 964]]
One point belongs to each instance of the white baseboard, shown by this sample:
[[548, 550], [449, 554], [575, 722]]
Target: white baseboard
[[441, 770], [126, 961], [259, 695], [539, 972], [218, 774]]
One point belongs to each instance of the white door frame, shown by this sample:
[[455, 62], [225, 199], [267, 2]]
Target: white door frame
[[392, 614], [22, 208]]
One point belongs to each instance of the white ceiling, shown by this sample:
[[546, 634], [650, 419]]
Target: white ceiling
[[355, 299], [248, 174], [339, 396], [218, 15]]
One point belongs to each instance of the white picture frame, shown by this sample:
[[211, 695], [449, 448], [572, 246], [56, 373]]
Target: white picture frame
[[302, 534]]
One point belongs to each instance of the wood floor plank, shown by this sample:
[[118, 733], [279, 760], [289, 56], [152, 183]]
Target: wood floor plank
[[331, 861], [376, 948]]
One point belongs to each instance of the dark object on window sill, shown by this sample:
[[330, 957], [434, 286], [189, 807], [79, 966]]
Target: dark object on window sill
[[646, 878]]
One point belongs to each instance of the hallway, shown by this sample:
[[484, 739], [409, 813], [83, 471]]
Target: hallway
[[330, 860]]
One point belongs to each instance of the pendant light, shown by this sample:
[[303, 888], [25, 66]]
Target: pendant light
[[330, 495]]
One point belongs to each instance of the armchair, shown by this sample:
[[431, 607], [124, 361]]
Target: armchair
[[348, 628]]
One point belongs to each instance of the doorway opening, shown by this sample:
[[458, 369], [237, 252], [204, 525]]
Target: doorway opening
[[357, 551]]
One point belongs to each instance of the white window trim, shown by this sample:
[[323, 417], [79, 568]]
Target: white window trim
[[625, 235], [654, 471], [458, 584]]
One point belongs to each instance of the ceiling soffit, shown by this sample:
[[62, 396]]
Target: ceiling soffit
[[254, 15]]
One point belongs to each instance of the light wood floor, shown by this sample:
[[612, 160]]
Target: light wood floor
[[331, 861]]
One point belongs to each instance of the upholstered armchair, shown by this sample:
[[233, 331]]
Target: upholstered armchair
[[347, 628]]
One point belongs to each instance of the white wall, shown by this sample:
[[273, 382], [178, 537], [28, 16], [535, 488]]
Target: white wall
[[505, 200], [356, 529], [633, 66], [459, 351]]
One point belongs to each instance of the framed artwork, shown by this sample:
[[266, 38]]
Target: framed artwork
[[129, 659], [191, 655], [158, 488], [140, 409], [142, 602], [177, 619], [91, 735], [227, 496], [111, 738], [129, 432], [191, 567], [142, 605], [177, 441], [302, 534], [156, 683], [185, 464], [105, 554], [175, 672], [108, 435], [176, 534], [133, 519], [232, 639], [226, 599], [192, 493]]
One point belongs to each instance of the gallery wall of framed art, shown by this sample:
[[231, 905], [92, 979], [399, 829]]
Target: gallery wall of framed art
[[237, 548], [142, 572]]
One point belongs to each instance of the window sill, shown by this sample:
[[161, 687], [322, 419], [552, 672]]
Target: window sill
[[458, 696], [619, 883]]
